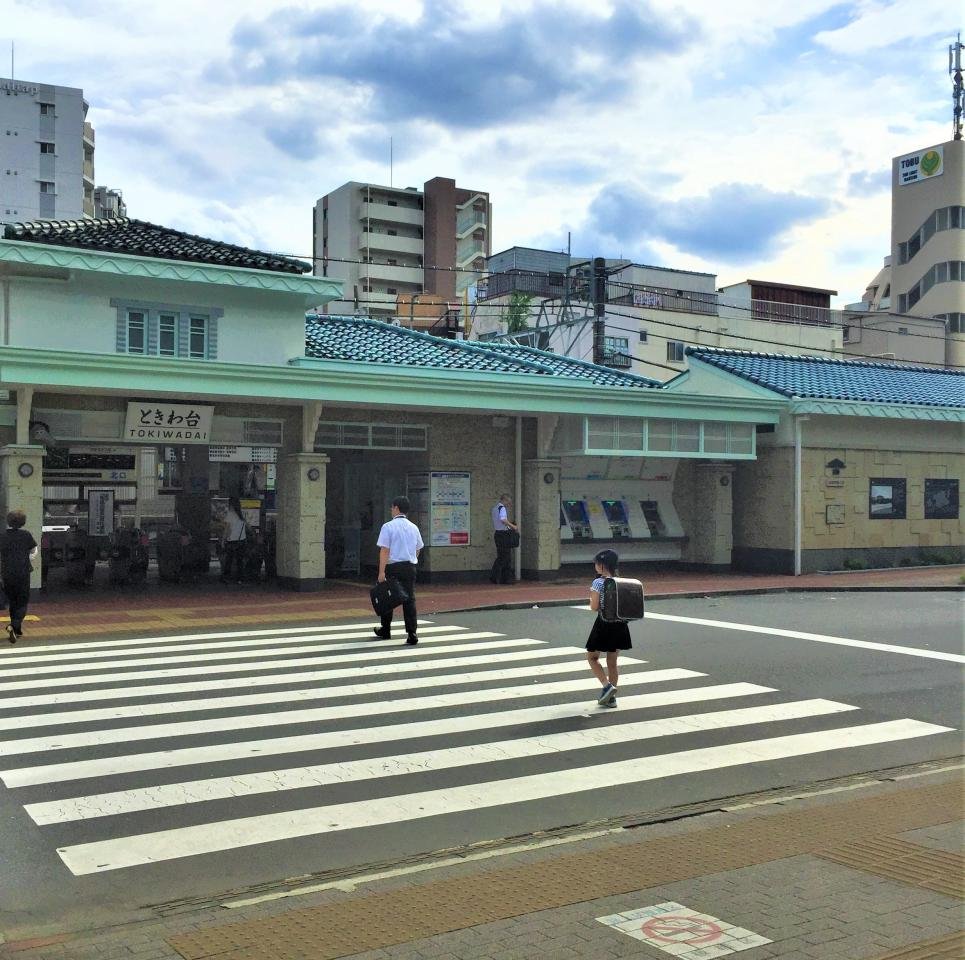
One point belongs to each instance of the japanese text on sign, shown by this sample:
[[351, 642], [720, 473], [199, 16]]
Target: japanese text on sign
[[167, 423]]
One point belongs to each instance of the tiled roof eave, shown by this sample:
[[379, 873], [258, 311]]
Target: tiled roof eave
[[890, 411], [314, 289]]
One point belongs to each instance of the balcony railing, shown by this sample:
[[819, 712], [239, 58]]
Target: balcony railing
[[469, 219]]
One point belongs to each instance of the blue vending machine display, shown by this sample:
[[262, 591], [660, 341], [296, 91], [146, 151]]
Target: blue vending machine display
[[616, 515]]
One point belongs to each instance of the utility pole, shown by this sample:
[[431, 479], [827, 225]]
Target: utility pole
[[599, 308]]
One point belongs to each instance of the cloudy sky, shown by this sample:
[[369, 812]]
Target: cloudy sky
[[747, 139]]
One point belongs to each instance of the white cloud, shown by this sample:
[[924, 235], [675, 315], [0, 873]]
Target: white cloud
[[226, 119]]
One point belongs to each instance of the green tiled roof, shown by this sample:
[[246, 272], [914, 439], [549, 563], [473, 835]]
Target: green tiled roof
[[372, 341], [824, 378]]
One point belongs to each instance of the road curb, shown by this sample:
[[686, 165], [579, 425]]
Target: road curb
[[701, 594]]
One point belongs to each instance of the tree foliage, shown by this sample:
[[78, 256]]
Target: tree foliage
[[517, 314]]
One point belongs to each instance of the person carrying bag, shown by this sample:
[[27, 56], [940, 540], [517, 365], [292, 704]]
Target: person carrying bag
[[400, 544]]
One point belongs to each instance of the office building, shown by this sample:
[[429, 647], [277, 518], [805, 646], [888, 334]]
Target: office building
[[390, 242], [46, 152]]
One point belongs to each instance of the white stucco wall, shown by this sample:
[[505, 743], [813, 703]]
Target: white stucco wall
[[75, 313]]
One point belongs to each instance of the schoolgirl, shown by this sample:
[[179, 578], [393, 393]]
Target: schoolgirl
[[605, 638]]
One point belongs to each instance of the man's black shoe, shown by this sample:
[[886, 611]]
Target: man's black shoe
[[382, 634], [412, 640]]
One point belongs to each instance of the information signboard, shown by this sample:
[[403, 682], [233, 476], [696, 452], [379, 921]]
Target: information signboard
[[100, 513], [449, 509]]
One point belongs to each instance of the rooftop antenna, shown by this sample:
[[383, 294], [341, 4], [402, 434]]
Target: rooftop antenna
[[12, 74], [391, 184], [958, 90]]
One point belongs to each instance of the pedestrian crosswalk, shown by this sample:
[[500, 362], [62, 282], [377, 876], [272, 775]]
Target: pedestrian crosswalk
[[143, 751]]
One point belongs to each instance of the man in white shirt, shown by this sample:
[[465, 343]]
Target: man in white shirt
[[503, 570], [400, 544]]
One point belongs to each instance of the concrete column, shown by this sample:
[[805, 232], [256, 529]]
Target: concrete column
[[21, 488], [300, 528], [539, 520], [193, 505], [712, 533]]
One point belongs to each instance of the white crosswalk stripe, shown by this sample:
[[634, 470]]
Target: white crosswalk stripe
[[303, 713]]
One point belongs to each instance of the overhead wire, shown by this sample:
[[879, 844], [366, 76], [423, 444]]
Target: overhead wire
[[632, 287], [844, 354]]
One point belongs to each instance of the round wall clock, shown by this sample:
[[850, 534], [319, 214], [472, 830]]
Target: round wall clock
[[26, 470]]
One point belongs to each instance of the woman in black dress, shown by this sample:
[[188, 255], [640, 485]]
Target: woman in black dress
[[608, 638], [17, 546]]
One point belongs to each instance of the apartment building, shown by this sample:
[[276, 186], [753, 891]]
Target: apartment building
[[46, 152], [390, 242], [914, 307], [652, 313], [109, 203]]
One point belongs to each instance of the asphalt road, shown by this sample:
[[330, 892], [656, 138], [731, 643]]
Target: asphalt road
[[122, 763]]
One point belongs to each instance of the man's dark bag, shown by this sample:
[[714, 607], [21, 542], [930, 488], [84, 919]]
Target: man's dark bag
[[512, 538], [621, 600], [387, 595]]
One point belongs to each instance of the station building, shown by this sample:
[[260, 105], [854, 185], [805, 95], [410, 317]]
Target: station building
[[150, 374]]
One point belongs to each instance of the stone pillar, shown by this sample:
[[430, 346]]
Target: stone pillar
[[712, 532], [300, 528], [21, 488], [539, 519]]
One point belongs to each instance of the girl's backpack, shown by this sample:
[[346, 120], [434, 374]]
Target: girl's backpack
[[621, 600]]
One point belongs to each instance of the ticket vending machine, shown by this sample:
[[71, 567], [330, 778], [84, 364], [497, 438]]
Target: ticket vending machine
[[578, 519], [616, 515]]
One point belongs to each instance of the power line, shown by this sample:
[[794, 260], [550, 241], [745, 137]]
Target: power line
[[702, 330], [856, 316]]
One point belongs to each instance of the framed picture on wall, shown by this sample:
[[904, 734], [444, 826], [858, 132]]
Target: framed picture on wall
[[941, 499], [886, 498]]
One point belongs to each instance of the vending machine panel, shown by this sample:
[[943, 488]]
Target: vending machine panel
[[616, 515], [579, 519], [651, 512]]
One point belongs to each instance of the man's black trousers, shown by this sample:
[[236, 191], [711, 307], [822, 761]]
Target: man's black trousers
[[503, 568], [17, 590], [404, 572]]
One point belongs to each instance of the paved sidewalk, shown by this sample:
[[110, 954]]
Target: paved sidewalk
[[160, 607], [867, 869]]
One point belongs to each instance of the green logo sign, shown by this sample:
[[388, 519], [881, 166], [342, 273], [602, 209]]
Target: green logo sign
[[930, 163]]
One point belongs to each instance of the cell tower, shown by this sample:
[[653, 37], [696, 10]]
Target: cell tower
[[958, 90]]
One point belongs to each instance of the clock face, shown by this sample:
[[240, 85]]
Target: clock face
[[549, 478], [25, 470], [313, 473]]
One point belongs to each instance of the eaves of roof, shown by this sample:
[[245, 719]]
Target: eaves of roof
[[313, 290], [355, 383], [891, 411]]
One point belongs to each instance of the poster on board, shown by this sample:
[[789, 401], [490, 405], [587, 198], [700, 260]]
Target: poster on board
[[100, 513], [449, 509]]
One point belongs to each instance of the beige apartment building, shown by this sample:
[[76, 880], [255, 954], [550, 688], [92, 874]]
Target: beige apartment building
[[914, 308], [386, 243]]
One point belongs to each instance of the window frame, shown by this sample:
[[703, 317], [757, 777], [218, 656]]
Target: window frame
[[167, 327], [673, 348]]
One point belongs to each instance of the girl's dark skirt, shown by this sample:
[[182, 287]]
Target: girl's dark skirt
[[607, 637]]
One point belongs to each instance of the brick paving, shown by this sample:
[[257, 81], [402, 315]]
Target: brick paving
[[174, 607], [759, 868]]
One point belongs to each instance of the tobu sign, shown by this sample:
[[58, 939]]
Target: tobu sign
[[167, 422], [923, 165]]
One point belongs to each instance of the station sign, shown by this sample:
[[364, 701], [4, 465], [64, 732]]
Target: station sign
[[175, 423]]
